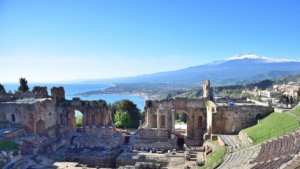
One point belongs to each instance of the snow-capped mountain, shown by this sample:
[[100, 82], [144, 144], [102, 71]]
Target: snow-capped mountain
[[259, 58], [243, 68]]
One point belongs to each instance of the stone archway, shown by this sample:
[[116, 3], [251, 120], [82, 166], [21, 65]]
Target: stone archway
[[40, 127], [181, 120]]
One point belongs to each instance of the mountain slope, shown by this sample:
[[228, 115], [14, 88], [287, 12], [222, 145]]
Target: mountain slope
[[238, 69]]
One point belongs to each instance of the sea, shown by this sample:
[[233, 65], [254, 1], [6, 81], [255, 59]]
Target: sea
[[71, 91]]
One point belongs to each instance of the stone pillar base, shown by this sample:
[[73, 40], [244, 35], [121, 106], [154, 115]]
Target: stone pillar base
[[193, 141]]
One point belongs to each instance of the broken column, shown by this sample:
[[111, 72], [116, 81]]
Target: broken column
[[206, 89]]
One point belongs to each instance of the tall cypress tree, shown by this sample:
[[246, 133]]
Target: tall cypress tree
[[2, 89], [23, 85]]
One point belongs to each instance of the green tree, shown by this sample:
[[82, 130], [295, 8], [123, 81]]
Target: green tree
[[2, 89], [23, 85], [181, 117], [142, 116], [122, 119], [128, 107]]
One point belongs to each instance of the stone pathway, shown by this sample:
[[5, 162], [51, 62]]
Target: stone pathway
[[292, 114], [231, 140], [238, 155], [239, 159]]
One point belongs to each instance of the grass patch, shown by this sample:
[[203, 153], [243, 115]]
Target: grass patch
[[296, 111], [9, 146], [274, 125], [215, 158], [79, 120]]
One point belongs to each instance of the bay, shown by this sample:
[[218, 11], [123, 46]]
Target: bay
[[72, 89]]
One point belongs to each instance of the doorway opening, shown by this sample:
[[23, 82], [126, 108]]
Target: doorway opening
[[13, 117], [40, 127], [180, 143], [78, 119], [181, 119]]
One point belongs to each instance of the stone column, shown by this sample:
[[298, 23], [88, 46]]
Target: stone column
[[158, 119], [190, 124], [141, 124], [173, 120], [148, 119], [166, 120]]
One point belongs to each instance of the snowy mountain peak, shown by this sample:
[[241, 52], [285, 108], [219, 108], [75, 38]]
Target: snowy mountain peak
[[259, 58]]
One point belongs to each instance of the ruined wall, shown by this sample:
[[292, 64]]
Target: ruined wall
[[211, 108], [35, 116], [152, 133], [40, 92], [161, 115], [58, 94], [37, 92], [232, 119], [95, 113], [39, 114]]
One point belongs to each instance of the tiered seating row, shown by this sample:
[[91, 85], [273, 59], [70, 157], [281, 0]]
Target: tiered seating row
[[275, 153], [238, 159], [284, 146], [273, 163]]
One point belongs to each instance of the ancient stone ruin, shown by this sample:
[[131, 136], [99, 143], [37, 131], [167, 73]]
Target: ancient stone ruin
[[44, 126]]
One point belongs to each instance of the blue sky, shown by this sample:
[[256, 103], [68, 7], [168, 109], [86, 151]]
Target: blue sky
[[61, 40]]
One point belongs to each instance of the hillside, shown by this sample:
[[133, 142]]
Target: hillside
[[294, 78], [240, 72], [235, 70]]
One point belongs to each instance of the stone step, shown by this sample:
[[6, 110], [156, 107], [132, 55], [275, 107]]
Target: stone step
[[193, 159]]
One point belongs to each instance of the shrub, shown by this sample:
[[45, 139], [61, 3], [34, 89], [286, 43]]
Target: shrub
[[2, 89], [122, 119], [9, 146], [79, 121], [130, 108]]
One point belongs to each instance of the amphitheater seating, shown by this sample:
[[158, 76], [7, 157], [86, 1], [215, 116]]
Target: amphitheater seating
[[272, 154], [276, 163], [276, 152], [294, 164]]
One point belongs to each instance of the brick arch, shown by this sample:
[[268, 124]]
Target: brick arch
[[191, 107], [95, 113], [71, 118], [188, 119]]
